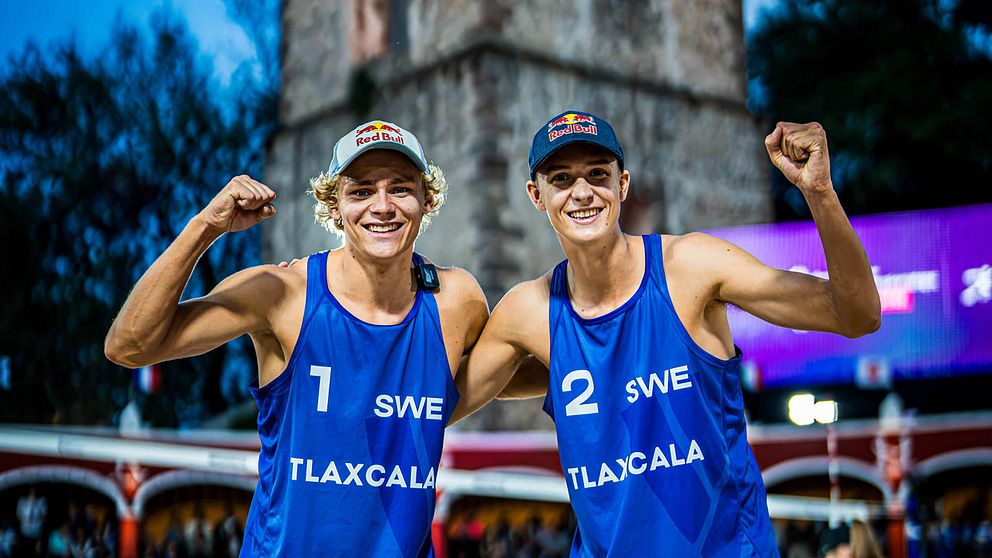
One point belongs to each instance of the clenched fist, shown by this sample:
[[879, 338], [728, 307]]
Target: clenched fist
[[800, 152], [242, 203]]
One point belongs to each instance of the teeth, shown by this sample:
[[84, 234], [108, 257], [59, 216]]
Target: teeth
[[583, 213], [382, 228]]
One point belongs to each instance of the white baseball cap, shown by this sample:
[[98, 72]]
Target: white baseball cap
[[376, 134]]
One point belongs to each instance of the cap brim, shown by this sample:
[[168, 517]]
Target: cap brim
[[569, 141], [390, 145]]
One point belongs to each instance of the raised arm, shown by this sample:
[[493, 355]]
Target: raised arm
[[847, 302], [152, 326]]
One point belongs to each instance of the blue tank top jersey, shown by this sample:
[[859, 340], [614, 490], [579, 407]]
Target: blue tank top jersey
[[351, 434], [651, 431]]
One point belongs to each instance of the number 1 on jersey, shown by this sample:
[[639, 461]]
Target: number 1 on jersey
[[578, 406], [324, 373]]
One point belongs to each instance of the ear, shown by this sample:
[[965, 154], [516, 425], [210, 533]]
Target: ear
[[624, 185], [428, 203], [534, 193], [335, 214]]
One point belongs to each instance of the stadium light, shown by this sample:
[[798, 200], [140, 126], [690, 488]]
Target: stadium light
[[801, 409], [804, 410], [825, 412]]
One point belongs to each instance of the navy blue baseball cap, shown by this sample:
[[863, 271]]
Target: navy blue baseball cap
[[568, 127]]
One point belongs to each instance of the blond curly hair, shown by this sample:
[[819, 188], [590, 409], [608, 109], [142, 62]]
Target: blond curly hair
[[324, 189]]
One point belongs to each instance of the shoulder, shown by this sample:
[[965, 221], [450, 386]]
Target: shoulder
[[458, 286], [700, 250], [527, 297], [690, 244], [461, 296], [264, 285], [521, 316], [705, 261], [269, 275]]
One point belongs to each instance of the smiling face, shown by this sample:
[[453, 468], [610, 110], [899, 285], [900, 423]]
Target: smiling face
[[580, 187], [381, 203]]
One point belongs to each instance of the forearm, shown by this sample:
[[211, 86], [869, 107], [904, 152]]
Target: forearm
[[482, 376], [148, 312], [852, 286], [530, 380]]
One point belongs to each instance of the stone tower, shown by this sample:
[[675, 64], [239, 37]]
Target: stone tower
[[474, 79]]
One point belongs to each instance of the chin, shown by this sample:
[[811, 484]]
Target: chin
[[582, 234], [383, 248]]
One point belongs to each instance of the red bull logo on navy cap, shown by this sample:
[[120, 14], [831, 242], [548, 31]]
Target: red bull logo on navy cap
[[569, 127], [571, 123], [376, 134]]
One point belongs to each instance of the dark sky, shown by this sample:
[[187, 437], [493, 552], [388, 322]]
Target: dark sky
[[223, 42]]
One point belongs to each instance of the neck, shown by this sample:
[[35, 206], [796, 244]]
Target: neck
[[377, 284], [605, 271]]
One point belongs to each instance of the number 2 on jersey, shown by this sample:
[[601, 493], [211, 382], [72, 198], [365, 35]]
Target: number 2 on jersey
[[578, 406], [324, 373]]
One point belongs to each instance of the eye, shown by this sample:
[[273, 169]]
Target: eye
[[599, 173], [401, 189], [361, 192], [559, 178]]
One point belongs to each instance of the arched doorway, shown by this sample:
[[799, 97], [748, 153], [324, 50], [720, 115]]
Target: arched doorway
[[71, 505], [194, 512], [808, 478], [951, 506]]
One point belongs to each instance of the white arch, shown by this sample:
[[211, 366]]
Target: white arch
[[815, 466], [176, 479], [65, 474], [958, 459]]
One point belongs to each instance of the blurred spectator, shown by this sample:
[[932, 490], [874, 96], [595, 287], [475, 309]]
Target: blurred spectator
[[983, 538], [863, 543], [555, 542], [198, 535], [59, 542], [89, 520], [466, 540], [108, 537], [75, 516], [173, 534], [836, 542], [8, 538], [31, 513], [228, 536], [79, 543], [528, 545], [497, 541]]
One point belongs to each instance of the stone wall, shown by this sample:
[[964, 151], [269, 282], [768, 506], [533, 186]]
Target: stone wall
[[476, 80]]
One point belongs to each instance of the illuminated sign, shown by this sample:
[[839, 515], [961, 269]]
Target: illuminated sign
[[933, 270]]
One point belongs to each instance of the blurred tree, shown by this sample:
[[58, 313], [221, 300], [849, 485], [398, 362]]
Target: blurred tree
[[102, 162], [903, 88]]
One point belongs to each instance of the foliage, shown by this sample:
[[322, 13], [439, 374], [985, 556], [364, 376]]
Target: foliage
[[902, 88], [103, 160]]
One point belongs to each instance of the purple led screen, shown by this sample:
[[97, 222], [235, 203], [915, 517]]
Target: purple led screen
[[934, 274]]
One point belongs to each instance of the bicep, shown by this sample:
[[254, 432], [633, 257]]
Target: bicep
[[201, 324], [784, 298]]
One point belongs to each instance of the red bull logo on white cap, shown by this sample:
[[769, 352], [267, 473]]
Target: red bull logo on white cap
[[378, 131]]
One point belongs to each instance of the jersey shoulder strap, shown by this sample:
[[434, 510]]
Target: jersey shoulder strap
[[316, 282]]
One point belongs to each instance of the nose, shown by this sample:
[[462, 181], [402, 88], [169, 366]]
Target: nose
[[381, 204], [581, 191]]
